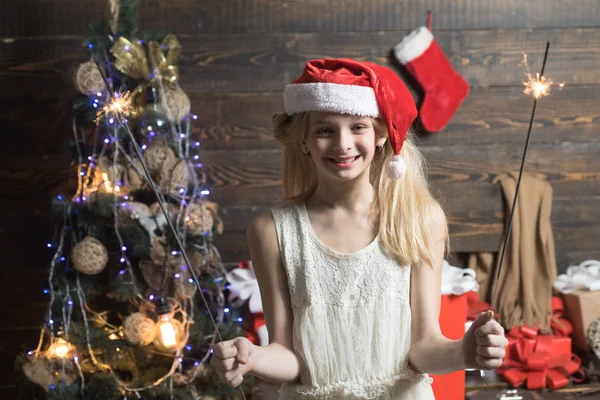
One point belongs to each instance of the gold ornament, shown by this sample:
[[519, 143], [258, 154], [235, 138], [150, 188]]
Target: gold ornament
[[133, 176], [157, 155], [89, 256], [198, 220], [139, 329], [174, 177], [176, 104], [151, 67], [88, 79]]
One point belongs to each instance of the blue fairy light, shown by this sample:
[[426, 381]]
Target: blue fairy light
[[240, 319], [226, 309], [49, 245]]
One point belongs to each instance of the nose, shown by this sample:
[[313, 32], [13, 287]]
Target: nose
[[344, 140]]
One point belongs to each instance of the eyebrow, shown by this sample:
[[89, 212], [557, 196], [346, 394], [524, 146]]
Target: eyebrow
[[323, 122]]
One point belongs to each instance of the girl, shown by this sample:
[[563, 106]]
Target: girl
[[350, 270]]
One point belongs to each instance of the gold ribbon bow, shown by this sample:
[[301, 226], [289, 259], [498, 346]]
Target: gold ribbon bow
[[158, 63]]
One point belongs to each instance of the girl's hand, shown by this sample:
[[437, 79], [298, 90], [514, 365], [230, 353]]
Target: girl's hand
[[484, 344], [232, 359]]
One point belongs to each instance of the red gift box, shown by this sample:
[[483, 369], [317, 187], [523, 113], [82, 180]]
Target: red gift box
[[540, 360], [453, 316]]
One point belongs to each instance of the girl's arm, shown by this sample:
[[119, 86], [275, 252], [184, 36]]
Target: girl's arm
[[276, 362], [482, 346]]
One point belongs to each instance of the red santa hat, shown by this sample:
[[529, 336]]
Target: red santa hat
[[347, 86]]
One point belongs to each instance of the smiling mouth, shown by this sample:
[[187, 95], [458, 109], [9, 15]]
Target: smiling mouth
[[343, 162]]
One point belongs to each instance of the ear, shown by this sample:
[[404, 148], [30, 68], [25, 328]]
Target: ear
[[381, 142]]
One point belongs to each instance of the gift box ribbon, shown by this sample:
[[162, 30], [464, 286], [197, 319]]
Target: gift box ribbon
[[532, 361], [457, 281], [584, 276]]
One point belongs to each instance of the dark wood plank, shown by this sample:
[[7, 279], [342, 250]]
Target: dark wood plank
[[252, 177], [242, 177], [70, 17], [228, 121], [268, 61]]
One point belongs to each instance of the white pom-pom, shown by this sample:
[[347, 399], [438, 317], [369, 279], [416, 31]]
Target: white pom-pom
[[396, 167]]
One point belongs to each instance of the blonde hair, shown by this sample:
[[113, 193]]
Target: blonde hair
[[406, 206]]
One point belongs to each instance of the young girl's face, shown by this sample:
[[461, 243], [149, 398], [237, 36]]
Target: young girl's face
[[342, 146]]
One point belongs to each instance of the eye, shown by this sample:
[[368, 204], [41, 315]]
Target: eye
[[359, 127], [323, 131]]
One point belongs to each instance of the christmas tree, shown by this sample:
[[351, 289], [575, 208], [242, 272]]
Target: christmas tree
[[137, 291]]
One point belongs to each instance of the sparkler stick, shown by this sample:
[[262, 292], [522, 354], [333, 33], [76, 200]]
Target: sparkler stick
[[538, 87]]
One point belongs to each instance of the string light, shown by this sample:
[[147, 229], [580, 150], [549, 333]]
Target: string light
[[170, 334]]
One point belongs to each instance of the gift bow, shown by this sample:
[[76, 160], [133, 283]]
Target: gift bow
[[243, 286], [583, 276], [534, 363], [457, 281], [131, 59], [560, 326]]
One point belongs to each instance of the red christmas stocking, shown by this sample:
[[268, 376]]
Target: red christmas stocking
[[444, 88]]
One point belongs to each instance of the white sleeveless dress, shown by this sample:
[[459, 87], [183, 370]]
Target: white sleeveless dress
[[351, 329]]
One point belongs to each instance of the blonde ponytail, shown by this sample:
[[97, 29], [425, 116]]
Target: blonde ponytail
[[406, 206]]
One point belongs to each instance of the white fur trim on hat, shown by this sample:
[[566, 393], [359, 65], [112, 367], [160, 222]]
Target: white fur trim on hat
[[396, 167], [330, 97], [413, 45]]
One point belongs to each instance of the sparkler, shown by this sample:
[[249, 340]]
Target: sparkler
[[538, 87], [120, 104]]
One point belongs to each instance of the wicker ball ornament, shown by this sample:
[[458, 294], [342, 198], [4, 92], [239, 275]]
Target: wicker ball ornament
[[593, 336], [157, 155], [177, 103], [89, 256], [198, 220], [88, 79], [133, 176], [174, 177], [139, 329]]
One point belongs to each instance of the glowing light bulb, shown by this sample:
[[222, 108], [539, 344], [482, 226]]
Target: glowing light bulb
[[168, 335], [59, 349]]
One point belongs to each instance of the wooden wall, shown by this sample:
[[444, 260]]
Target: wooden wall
[[238, 54]]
